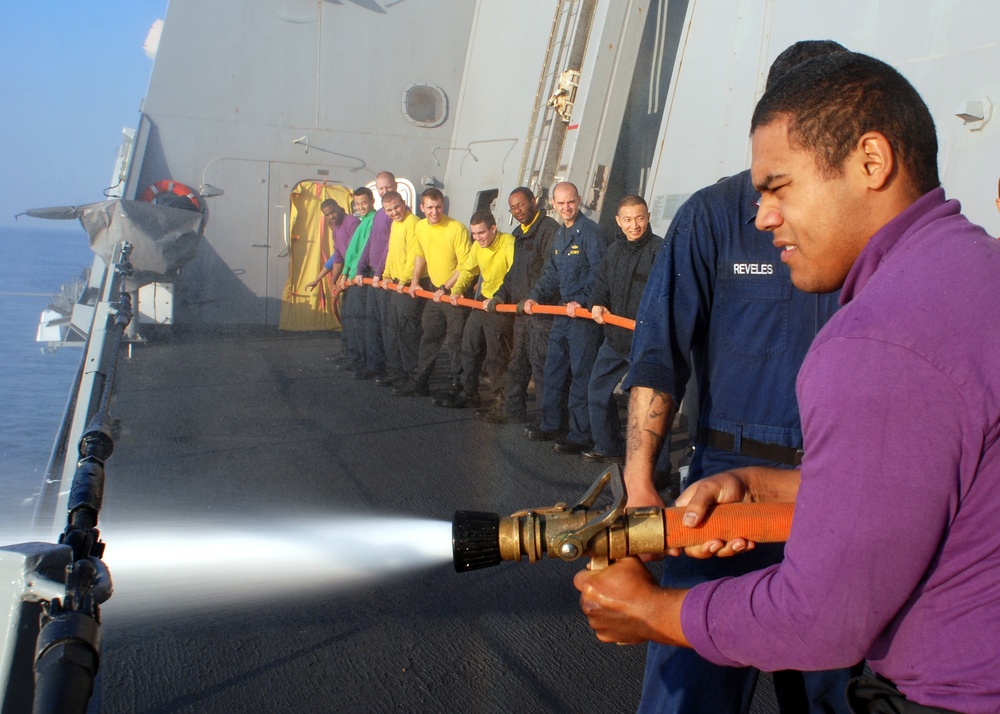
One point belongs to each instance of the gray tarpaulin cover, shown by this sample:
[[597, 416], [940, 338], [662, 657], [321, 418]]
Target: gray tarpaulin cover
[[164, 238]]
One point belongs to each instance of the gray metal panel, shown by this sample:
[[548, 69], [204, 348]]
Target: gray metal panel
[[295, 83], [547, 128], [948, 51], [227, 280], [301, 65], [606, 76], [496, 103], [636, 148]]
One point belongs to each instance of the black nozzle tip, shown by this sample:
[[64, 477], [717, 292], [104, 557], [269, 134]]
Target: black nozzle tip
[[475, 540]]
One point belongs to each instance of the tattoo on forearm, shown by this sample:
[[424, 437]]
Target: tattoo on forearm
[[648, 425]]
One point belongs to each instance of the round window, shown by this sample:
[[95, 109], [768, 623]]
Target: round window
[[425, 105]]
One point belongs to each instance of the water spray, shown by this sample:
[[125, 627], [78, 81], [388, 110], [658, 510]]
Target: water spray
[[232, 563], [482, 540]]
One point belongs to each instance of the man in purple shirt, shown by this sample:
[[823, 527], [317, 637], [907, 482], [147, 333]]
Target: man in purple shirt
[[894, 553], [343, 226], [370, 265]]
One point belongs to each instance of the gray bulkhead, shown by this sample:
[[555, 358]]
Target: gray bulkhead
[[249, 99], [946, 48], [245, 101], [616, 56]]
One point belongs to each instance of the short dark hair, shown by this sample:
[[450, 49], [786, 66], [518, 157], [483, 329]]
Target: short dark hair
[[633, 201], [832, 100], [483, 216], [364, 191], [794, 55], [330, 203], [432, 193], [524, 191], [392, 196]]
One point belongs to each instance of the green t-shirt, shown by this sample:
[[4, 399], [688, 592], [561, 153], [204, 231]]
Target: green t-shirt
[[358, 242]]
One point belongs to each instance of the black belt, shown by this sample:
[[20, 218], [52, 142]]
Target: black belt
[[878, 694], [750, 447]]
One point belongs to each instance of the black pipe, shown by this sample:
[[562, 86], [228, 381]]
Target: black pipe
[[86, 495], [67, 663], [67, 653]]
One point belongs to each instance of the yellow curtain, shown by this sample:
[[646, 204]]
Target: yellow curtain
[[311, 244]]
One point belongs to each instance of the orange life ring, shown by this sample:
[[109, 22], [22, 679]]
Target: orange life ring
[[169, 192]]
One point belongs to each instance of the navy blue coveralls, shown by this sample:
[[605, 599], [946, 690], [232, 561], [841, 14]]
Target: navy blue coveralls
[[721, 302], [568, 276]]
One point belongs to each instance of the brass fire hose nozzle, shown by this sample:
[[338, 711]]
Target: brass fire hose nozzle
[[481, 540]]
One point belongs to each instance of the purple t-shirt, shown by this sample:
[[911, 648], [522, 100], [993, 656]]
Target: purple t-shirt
[[894, 554], [342, 239], [374, 254]]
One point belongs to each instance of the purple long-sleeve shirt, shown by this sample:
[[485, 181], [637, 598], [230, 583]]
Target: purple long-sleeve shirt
[[894, 553], [342, 239], [374, 254]]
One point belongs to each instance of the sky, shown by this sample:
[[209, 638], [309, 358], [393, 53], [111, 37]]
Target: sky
[[72, 75]]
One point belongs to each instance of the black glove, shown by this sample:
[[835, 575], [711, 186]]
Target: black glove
[[520, 308], [491, 306]]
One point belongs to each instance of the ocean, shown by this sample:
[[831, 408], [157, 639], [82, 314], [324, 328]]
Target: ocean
[[34, 384]]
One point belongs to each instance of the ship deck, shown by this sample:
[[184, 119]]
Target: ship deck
[[256, 427], [240, 423]]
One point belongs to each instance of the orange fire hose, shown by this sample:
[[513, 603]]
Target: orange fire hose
[[759, 522], [609, 318]]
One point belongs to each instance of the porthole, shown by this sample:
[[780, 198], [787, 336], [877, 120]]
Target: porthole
[[425, 105]]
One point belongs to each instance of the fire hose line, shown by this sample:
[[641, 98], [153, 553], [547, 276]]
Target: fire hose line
[[580, 312], [759, 522], [482, 540]]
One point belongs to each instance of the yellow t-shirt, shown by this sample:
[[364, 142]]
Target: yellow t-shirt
[[444, 245], [526, 228], [492, 262], [402, 247]]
